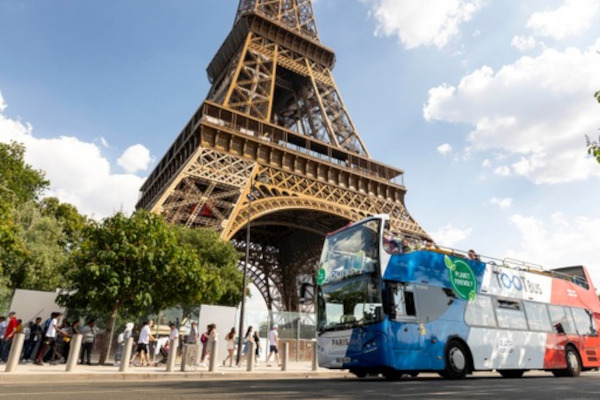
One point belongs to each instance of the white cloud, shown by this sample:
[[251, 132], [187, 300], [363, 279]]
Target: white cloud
[[535, 111], [559, 242], [572, 18], [523, 43], [77, 171], [135, 158], [444, 149], [104, 142], [504, 203], [422, 23], [502, 171], [450, 236], [2, 103]]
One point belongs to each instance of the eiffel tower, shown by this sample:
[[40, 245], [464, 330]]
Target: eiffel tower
[[273, 145]]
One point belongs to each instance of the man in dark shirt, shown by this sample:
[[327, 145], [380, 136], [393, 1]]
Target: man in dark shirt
[[35, 338]]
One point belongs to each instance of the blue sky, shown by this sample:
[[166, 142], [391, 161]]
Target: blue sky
[[483, 103]]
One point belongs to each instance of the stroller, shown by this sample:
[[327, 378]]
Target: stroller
[[163, 349]]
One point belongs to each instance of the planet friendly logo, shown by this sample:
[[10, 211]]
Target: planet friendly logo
[[462, 278], [321, 275]]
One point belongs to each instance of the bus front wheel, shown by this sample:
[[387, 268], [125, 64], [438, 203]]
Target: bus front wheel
[[457, 360], [573, 364]]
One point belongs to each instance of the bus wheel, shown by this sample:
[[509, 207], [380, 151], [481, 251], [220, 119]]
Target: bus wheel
[[511, 373], [457, 360], [392, 374], [573, 362], [360, 373]]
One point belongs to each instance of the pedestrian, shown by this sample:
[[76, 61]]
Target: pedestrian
[[273, 345], [207, 339], [121, 340], [248, 337], [230, 339], [89, 332], [49, 347], [144, 340], [3, 324], [257, 347], [69, 331], [9, 334], [173, 335], [32, 344], [192, 337]]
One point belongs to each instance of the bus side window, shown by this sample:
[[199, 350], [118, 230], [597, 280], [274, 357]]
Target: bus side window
[[584, 322], [404, 300]]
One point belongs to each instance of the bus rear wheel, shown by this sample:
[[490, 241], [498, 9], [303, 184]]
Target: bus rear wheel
[[457, 360], [511, 373], [573, 364]]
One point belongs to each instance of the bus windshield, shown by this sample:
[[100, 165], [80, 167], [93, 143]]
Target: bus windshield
[[352, 251], [349, 280], [350, 303]]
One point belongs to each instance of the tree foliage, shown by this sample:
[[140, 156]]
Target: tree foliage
[[17, 177], [134, 263], [594, 145], [221, 259]]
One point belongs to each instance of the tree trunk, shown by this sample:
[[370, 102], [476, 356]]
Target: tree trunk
[[108, 340]]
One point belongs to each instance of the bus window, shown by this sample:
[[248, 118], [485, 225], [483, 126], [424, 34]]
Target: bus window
[[561, 319], [404, 301], [433, 301], [537, 316], [510, 314], [584, 322], [480, 312]]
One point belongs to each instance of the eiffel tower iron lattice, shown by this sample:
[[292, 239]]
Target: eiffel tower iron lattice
[[275, 111]]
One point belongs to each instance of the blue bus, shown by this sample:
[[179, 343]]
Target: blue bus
[[395, 305]]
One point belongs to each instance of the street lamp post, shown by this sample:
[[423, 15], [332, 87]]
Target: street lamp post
[[263, 179]]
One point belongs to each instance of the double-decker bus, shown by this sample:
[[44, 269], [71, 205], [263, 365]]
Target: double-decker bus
[[389, 306]]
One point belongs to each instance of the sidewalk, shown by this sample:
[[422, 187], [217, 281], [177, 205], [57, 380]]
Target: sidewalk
[[95, 373]]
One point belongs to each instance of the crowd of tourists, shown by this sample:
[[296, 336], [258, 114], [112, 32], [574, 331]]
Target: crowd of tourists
[[49, 341]]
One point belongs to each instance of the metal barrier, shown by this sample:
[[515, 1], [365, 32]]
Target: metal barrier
[[15, 352], [74, 349], [126, 355]]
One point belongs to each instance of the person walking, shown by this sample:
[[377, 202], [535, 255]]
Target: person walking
[[144, 340], [89, 332], [248, 337], [273, 345], [257, 347], [121, 340], [192, 337], [207, 339], [35, 338], [9, 334], [230, 340], [49, 348]]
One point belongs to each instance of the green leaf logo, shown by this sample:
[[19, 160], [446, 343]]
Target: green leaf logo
[[462, 278], [321, 275]]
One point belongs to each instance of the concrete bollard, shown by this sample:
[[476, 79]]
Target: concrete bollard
[[15, 352], [315, 355], [126, 356], [285, 356], [212, 365], [74, 350], [172, 355], [250, 356]]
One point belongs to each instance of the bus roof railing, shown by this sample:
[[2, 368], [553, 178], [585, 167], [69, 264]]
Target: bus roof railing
[[515, 264]]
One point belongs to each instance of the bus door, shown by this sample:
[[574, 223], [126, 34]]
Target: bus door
[[405, 329]]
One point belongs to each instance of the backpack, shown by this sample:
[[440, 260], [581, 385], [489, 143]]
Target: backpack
[[121, 338]]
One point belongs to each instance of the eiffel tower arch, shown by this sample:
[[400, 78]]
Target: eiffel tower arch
[[274, 145]]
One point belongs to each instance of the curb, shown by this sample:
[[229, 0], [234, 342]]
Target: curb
[[62, 376]]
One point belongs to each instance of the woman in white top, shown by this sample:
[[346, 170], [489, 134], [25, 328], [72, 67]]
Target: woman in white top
[[230, 339]]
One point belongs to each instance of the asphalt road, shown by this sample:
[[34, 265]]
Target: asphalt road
[[490, 387]]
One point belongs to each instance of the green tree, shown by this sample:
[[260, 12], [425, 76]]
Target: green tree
[[17, 177], [594, 145], [39, 264], [132, 264], [221, 258]]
